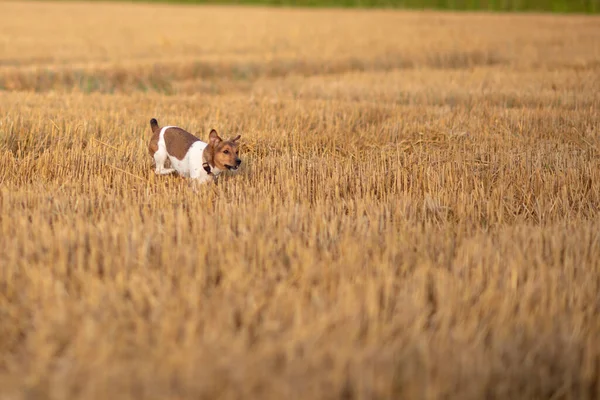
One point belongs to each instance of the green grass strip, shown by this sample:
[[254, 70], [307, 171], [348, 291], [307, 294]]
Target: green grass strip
[[558, 6]]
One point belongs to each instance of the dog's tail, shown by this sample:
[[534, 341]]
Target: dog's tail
[[154, 125]]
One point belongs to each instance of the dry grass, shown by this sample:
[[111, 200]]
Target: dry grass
[[416, 217]]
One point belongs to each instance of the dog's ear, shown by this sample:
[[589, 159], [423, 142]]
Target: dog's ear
[[235, 139], [213, 137]]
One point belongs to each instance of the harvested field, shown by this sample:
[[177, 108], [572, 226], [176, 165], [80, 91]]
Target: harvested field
[[416, 217]]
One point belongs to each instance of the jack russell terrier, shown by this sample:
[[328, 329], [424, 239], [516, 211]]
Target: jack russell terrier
[[189, 156]]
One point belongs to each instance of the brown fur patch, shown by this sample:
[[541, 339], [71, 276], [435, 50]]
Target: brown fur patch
[[153, 145], [208, 154], [178, 142]]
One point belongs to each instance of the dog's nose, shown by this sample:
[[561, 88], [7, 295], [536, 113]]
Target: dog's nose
[[238, 161]]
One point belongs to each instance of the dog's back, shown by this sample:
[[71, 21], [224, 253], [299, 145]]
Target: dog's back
[[177, 141]]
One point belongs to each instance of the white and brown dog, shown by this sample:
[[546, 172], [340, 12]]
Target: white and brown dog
[[189, 156]]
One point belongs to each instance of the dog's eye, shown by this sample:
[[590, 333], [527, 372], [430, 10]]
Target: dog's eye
[[226, 151]]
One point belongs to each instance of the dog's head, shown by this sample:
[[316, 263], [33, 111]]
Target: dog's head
[[224, 153]]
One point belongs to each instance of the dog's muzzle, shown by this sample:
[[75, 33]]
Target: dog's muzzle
[[234, 167]]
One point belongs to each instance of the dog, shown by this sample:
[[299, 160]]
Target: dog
[[189, 156]]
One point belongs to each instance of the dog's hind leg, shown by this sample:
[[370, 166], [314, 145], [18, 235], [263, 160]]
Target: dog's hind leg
[[160, 157]]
